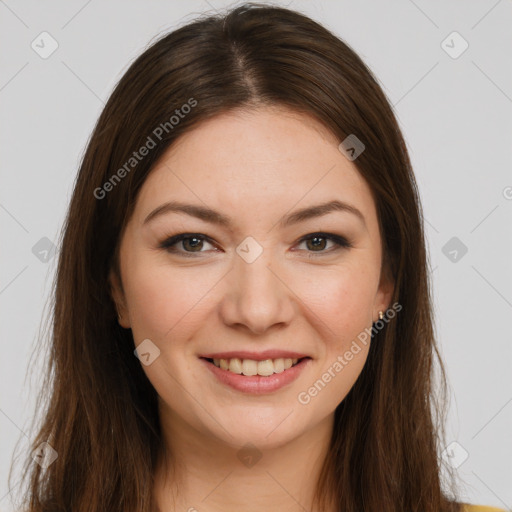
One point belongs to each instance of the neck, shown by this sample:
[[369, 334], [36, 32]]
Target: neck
[[197, 472]]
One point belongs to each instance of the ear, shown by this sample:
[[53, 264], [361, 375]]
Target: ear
[[118, 297], [384, 292]]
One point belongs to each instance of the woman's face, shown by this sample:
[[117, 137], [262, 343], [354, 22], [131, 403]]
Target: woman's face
[[252, 277]]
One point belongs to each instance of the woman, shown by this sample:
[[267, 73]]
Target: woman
[[242, 309]]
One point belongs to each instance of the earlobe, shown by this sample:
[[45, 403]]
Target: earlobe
[[117, 295], [385, 292]]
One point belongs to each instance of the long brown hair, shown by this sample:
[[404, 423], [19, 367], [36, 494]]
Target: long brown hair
[[100, 410]]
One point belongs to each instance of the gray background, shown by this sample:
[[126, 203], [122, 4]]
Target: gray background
[[456, 115]]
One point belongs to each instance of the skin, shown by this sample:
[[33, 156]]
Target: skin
[[254, 166]]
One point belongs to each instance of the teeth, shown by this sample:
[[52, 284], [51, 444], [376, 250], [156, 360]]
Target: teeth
[[235, 365], [251, 367]]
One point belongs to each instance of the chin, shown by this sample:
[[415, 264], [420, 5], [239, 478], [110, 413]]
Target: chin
[[267, 430]]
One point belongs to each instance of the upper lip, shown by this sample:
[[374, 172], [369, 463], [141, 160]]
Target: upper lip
[[256, 356]]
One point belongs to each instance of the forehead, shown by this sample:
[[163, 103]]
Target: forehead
[[262, 160]]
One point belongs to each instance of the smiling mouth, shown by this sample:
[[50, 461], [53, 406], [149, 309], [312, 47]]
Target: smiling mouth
[[250, 367]]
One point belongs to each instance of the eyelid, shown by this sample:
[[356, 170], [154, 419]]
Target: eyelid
[[172, 240], [341, 242]]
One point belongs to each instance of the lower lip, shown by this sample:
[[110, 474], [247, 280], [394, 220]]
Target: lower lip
[[257, 384]]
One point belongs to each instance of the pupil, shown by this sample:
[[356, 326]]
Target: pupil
[[315, 242], [193, 245]]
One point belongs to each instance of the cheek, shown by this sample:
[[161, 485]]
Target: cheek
[[342, 299], [342, 306], [162, 301], [340, 374]]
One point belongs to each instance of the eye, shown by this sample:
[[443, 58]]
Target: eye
[[318, 242], [193, 241]]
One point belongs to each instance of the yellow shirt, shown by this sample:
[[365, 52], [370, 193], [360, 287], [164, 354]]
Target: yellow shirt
[[481, 508]]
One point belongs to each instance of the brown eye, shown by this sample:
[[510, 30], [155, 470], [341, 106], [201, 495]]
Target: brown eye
[[317, 242], [193, 243], [190, 243]]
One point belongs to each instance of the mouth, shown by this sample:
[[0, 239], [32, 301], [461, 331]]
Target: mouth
[[252, 367], [256, 377]]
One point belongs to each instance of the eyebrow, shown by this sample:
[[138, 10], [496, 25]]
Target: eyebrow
[[215, 217]]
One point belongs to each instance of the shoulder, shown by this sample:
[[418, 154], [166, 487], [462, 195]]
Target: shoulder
[[466, 507]]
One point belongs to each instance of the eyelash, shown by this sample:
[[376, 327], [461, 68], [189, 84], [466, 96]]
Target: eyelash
[[167, 244]]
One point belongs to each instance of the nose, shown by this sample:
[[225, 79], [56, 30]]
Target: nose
[[256, 296]]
